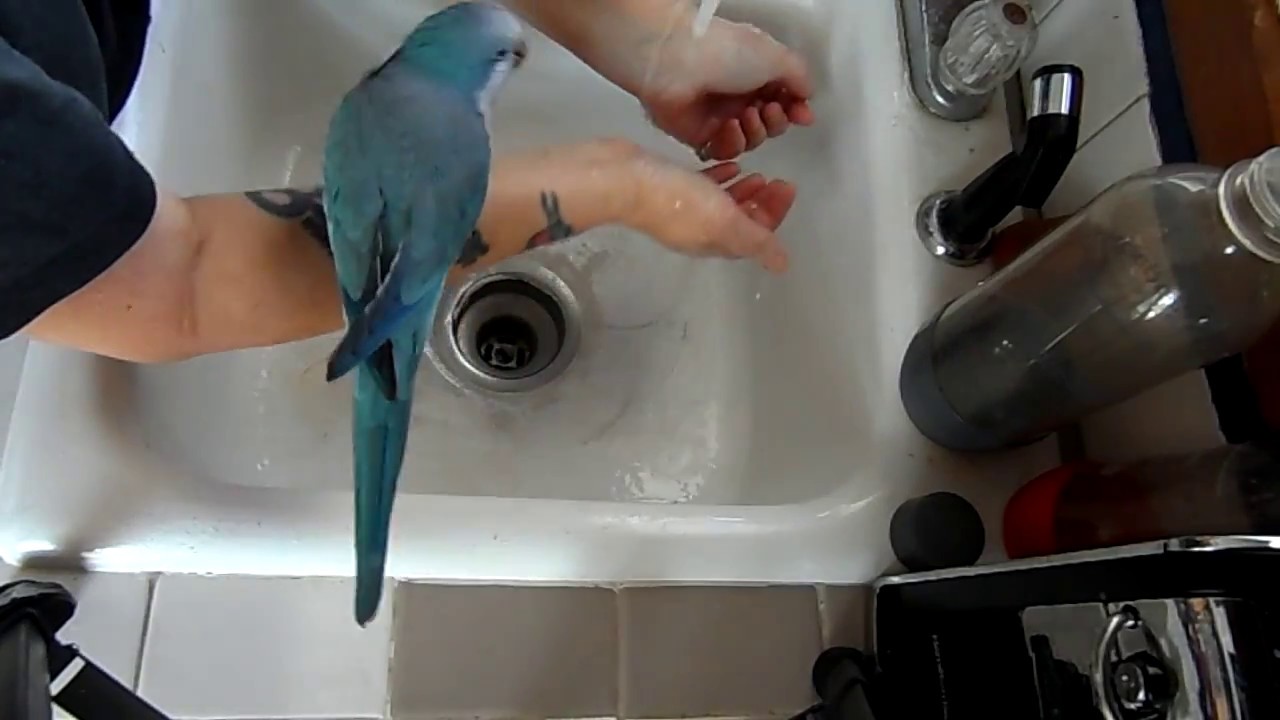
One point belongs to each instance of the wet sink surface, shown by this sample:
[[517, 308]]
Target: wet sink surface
[[716, 423]]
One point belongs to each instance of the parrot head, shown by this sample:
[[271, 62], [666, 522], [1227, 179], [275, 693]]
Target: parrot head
[[471, 46]]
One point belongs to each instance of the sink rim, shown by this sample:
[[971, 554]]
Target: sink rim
[[163, 525]]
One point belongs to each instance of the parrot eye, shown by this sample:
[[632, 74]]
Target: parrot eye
[[519, 53]]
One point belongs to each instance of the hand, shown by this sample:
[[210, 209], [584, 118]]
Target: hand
[[696, 213], [726, 92]]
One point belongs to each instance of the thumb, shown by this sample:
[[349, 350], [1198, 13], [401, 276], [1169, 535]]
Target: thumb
[[761, 59], [794, 73]]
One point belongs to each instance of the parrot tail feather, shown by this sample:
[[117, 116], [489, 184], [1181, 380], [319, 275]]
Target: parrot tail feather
[[380, 430]]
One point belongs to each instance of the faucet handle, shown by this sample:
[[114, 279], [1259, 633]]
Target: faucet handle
[[988, 42]]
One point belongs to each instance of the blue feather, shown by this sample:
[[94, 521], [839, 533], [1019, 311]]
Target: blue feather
[[380, 431], [406, 172]]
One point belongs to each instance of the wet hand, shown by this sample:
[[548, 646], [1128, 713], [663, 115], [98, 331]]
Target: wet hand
[[726, 92], [717, 212]]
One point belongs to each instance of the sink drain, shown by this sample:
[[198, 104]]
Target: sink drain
[[510, 331]]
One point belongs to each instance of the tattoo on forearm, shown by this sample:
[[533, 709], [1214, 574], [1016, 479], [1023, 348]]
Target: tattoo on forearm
[[306, 207], [557, 228], [474, 249]]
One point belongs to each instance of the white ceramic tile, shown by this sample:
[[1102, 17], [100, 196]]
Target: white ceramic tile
[[1042, 8], [1104, 39], [221, 647], [1176, 417], [497, 652], [1124, 147], [111, 613], [12, 353], [718, 651], [846, 615]]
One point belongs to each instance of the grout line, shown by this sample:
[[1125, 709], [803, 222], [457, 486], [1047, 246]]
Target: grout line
[[1049, 12], [824, 625], [152, 581], [619, 607], [391, 645], [1102, 128]]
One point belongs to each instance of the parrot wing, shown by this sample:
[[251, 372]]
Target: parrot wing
[[402, 193]]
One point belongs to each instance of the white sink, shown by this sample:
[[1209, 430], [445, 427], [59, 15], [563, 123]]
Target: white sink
[[716, 424]]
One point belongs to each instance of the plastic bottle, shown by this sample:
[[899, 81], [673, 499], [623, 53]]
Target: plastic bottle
[[1164, 272], [1233, 490]]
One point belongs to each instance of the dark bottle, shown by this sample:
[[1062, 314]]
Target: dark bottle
[[1164, 272]]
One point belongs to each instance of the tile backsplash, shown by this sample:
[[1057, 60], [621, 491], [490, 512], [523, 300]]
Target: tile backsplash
[[717, 651], [216, 648], [258, 647], [475, 651], [1117, 139]]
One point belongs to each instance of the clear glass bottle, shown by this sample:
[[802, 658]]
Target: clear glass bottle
[[1164, 272]]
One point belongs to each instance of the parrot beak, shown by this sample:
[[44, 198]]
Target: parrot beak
[[521, 52]]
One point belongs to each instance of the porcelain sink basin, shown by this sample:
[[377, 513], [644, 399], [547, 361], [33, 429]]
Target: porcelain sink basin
[[715, 423]]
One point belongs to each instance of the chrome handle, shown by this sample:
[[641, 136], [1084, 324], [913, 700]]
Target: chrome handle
[[1143, 675], [1125, 617]]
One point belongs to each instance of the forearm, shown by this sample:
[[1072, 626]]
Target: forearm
[[210, 274], [267, 277], [585, 183], [617, 38], [233, 271]]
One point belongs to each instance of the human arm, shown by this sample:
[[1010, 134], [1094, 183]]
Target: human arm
[[233, 271], [723, 93]]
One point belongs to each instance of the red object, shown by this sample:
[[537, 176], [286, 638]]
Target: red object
[[1030, 518]]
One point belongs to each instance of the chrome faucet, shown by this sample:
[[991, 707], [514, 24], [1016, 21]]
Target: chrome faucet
[[956, 225]]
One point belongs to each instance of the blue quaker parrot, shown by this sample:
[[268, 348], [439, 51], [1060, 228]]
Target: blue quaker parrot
[[406, 169]]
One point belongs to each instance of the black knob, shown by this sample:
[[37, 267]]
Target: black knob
[[1143, 687], [937, 531]]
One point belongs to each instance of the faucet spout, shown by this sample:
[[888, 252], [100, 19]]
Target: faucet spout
[[956, 225]]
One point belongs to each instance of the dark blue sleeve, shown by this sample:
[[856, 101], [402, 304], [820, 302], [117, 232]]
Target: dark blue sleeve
[[73, 198]]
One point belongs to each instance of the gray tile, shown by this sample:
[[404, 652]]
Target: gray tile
[[717, 651], [846, 615], [486, 651], [259, 647]]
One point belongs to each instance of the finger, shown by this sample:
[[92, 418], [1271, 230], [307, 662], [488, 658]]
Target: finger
[[766, 248], [775, 259], [794, 77], [730, 142], [772, 255], [775, 119], [753, 129], [723, 172], [705, 133], [801, 113], [774, 203], [747, 188]]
